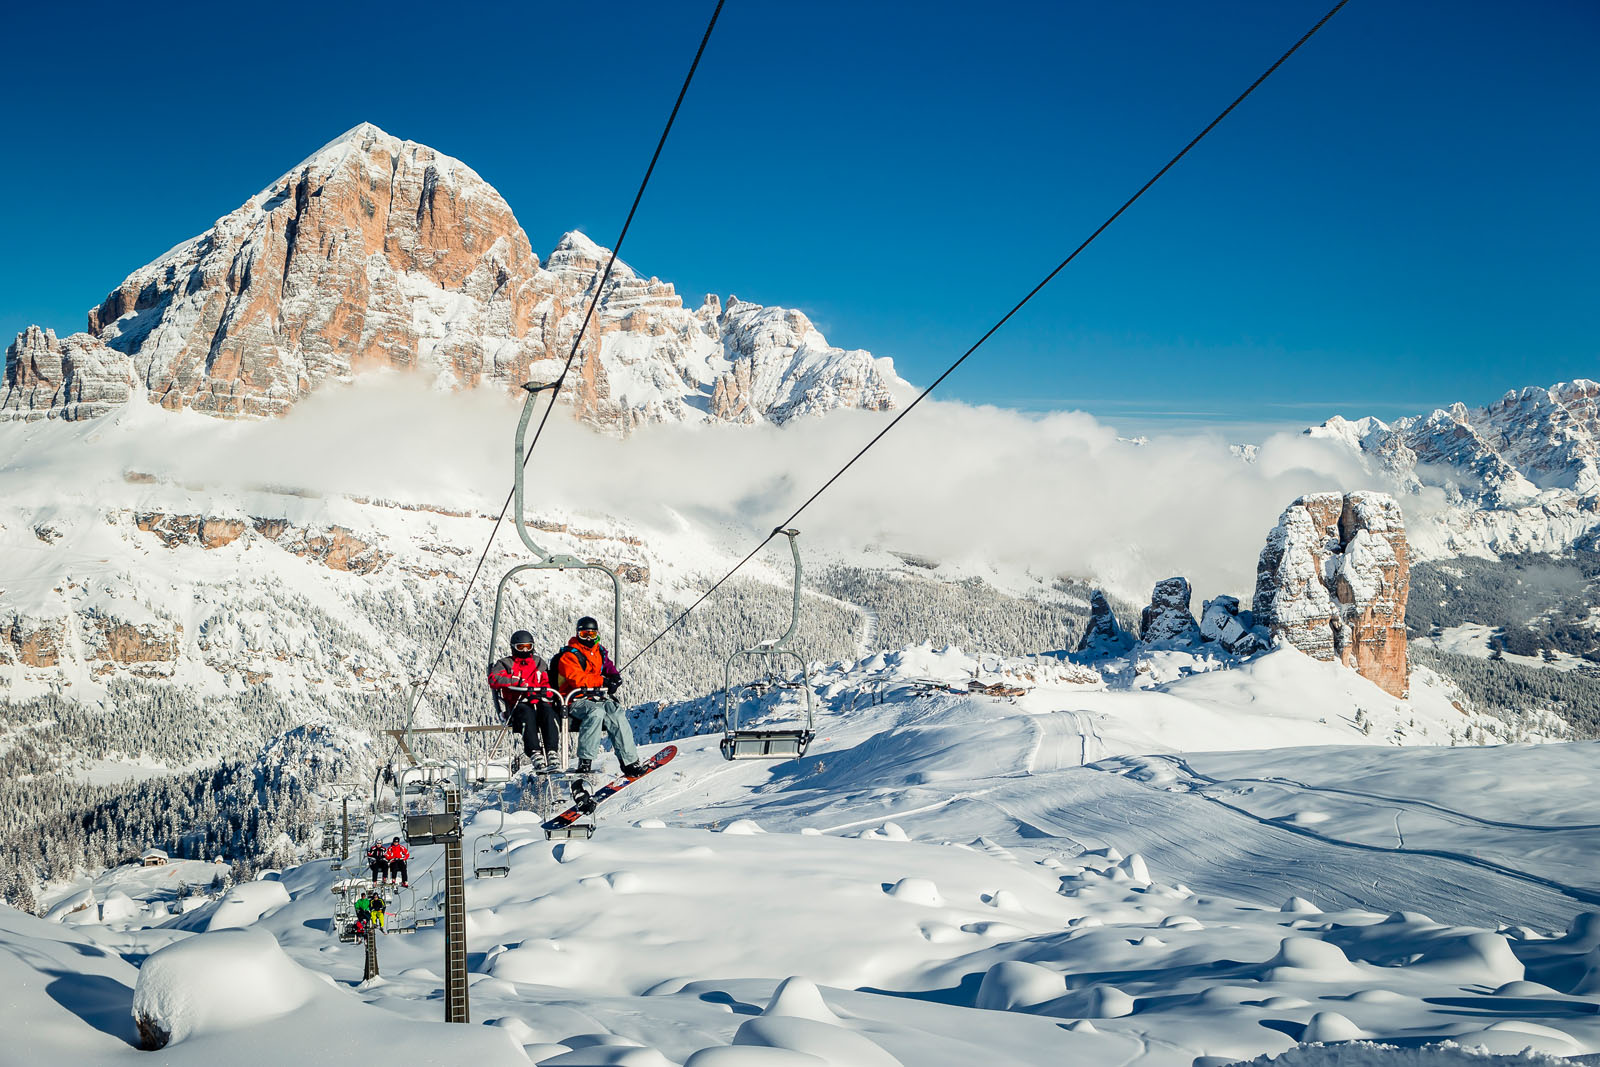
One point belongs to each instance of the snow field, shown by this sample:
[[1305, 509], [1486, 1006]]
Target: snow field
[[923, 889]]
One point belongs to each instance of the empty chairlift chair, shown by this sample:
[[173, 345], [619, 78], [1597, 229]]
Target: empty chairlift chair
[[490, 851], [743, 741], [427, 905]]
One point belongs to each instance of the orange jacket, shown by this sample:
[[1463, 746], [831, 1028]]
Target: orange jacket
[[579, 666]]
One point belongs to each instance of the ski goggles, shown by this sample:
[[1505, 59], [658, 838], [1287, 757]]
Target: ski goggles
[[522, 650], [588, 633]]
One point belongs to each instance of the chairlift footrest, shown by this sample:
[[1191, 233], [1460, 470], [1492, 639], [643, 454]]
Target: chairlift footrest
[[765, 744], [574, 831]]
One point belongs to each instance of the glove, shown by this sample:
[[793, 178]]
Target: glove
[[613, 683]]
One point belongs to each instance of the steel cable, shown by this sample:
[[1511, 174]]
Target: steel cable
[[1087, 241], [555, 387]]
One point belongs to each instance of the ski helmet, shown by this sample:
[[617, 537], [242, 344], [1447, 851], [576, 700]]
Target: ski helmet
[[588, 623], [522, 643]]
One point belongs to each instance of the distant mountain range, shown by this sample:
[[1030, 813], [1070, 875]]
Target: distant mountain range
[[1520, 475], [378, 252]]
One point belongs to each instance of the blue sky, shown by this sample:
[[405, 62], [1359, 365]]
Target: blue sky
[[1403, 216]]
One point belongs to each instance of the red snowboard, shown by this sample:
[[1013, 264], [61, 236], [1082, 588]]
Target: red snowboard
[[585, 802]]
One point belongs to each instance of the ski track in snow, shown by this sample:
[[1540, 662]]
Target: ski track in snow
[[1454, 814], [1576, 893]]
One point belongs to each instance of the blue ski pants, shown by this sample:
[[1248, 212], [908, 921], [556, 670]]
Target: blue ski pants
[[594, 715]]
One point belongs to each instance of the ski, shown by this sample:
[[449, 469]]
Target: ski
[[584, 801]]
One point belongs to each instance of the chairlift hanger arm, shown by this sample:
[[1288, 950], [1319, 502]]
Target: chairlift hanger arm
[[554, 563], [776, 646], [544, 559]]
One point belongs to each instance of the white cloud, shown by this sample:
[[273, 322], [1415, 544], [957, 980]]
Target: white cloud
[[1052, 494]]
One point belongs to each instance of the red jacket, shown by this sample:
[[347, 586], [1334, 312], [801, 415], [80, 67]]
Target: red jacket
[[527, 673], [397, 852]]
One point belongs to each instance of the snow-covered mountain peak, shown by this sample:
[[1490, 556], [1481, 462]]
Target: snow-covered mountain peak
[[1521, 474], [376, 252]]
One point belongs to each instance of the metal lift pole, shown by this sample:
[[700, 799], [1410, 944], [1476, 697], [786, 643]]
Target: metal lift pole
[[344, 845], [455, 921], [371, 970]]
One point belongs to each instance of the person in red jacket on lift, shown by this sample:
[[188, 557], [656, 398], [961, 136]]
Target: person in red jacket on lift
[[534, 717], [397, 855]]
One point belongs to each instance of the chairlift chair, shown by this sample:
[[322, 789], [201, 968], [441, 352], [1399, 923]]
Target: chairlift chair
[[432, 826], [403, 919], [740, 741], [489, 849], [426, 909], [345, 891], [543, 560]]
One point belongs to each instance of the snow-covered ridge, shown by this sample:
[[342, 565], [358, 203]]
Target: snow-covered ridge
[[1519, 475], [376, 252]]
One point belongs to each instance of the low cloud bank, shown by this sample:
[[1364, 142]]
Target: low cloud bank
[[976, 486]]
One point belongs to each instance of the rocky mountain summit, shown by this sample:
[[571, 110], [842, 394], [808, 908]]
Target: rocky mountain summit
[[1520, 475], [1333, 581], [382, 253]]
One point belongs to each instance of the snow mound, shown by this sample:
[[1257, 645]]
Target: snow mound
[[832, 1045], [1309, 959], [1013, 984], [217, 981], [77, 903], [917, 891], [752, 1056], [246, 903], [1327, 1026], [118, 907], [799, 998], [1369, 1054]]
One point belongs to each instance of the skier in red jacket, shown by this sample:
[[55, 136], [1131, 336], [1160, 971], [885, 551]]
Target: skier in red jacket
[[516, 680], [397, 855]]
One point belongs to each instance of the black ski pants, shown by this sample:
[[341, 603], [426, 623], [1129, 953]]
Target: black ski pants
[[397, 870], [538, 724]]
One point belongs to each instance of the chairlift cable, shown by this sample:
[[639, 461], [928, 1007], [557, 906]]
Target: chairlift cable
[[555, 387], [1048, 278]]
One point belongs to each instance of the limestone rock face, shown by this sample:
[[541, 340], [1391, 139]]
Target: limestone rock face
[[76, 377], [382, 253], [1168, 619], [32, 643], [146, 649], [1103, 635], [1333, 580]]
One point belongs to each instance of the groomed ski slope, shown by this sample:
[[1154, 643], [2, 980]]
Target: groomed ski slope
[[946, 879]]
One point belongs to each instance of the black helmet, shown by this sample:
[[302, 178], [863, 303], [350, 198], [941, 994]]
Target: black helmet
[[397, 840], [522, 643], [587, 623]]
